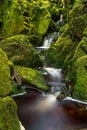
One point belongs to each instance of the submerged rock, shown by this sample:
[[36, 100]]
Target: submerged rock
[[5, 84], [21, 52], [31, 77]]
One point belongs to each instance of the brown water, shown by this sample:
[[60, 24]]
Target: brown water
[[44, 112]]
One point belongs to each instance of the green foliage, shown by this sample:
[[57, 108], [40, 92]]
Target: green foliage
[[5, 85], [8, 116], [26, 17], [32, 77], [85, 32]]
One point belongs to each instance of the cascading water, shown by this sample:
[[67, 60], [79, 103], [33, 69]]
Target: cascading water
[[55, 74], [52, 37]]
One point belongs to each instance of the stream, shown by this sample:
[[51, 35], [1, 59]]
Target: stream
[[46, 111]]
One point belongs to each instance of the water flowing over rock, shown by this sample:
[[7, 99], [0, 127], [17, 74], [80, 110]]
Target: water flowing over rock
[[48, 40], [55, 81], [55, 74]]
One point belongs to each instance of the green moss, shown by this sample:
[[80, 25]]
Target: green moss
[[26, 17], [80, 70], [32, 77], [85, 32], [77, 21], [62, 46], [8, 116], [5, 85], [20, 52], [51, 56], [11, 66], [81, 49]]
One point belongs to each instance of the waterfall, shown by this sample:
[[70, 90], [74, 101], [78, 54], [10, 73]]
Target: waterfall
[[55, 74], [60, 22], [48, 40], [55, 82]]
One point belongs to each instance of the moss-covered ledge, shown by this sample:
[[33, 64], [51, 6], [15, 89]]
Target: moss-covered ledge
[[31, 77], [8, 114]]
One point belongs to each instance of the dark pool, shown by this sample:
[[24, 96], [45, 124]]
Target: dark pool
[[44, 112]]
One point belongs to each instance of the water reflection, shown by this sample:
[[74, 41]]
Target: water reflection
[[44, 112]]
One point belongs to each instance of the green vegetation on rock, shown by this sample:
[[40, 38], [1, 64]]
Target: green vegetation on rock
[[80, 73], [32, 77], [81, 49], [8, 115], [21, 52], [5, 85]]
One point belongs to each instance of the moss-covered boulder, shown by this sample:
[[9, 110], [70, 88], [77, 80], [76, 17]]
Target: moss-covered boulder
[[80, 73], [78, 20], [31, 77], [59, 51], [20, 51], [5, 85], [8, 115]]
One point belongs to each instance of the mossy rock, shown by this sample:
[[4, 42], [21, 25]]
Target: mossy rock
[[31, 77], [62, 47], [20, 51], [5, 85], [81, 49], [77, 21], [51, 56], [11, 66], [80, 73], [8, 116]]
